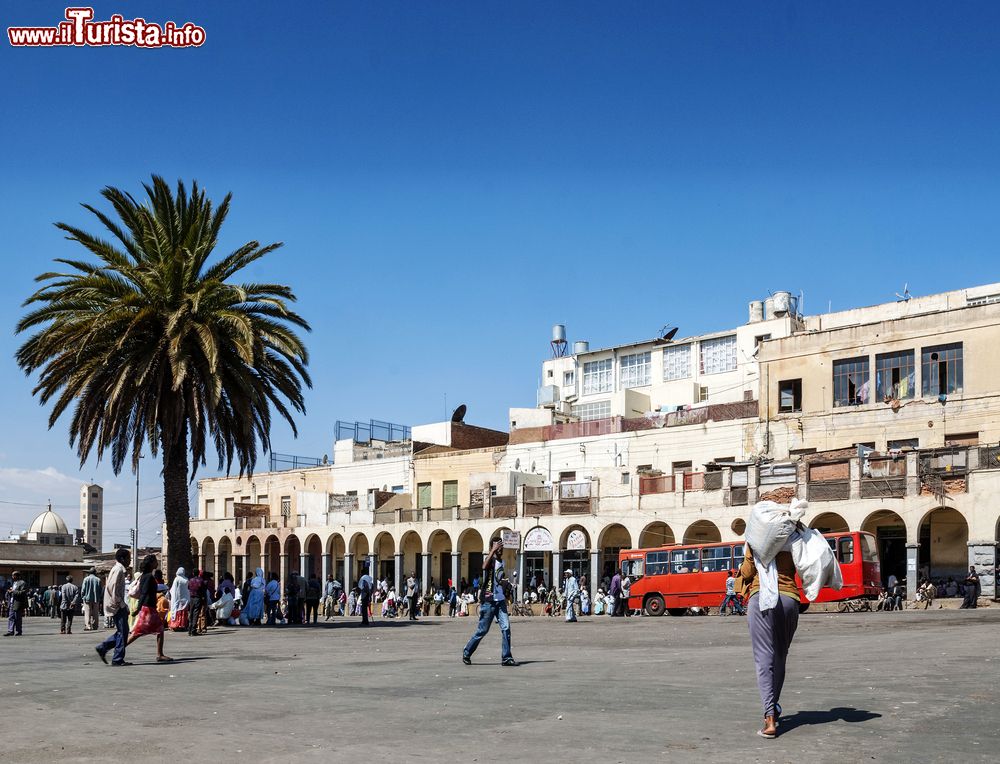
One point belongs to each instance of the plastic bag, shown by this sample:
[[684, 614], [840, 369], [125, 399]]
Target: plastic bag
[[769, 527], [815, 563]]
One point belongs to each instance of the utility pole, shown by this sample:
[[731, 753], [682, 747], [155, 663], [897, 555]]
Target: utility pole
[[135, 533]]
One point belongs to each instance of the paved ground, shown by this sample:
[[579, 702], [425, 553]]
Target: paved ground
[[912, 686]]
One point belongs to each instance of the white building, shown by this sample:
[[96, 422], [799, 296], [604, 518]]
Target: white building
[[92, 515]]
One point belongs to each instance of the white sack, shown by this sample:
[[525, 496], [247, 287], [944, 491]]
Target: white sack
[[770, 525], [815, 563]]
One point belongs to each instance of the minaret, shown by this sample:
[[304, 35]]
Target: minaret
[[92, 514]]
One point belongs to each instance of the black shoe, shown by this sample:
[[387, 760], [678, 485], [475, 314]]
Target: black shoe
[[123, 663], [9, 634], [103, 656], [467, 660], [509, 662]]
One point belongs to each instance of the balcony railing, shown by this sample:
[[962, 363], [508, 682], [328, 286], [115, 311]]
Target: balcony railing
[[713, 480], [470, 513], [830, 490], [694, 481], [655, 484], [383, 518], [411, 515], [439, 514], [875, 488], [537, 493], [574, 490], [503, 506]]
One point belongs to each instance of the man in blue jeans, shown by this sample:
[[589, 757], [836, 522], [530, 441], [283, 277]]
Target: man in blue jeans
[[116, 607], [493, 605]]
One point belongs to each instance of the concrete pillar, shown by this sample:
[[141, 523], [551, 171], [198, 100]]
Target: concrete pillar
[[556, 491], [855, 476], [218, 568], [801, 480], [912, 474], [521, 583], [519, 495], [373, 567], [398, 572], [202, 559], [556, 569], [425, 572], [327, 563], [595, 570], [456, 564], [983, 554], [348, 571], [753, 484], [912, 570], [304, 565]]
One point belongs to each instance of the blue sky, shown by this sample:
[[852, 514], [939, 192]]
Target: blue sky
[[450, 179]]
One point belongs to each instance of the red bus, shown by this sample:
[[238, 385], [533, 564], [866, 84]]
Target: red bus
[[678, 576]]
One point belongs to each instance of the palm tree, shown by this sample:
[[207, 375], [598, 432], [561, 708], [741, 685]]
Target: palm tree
[[156, 347]]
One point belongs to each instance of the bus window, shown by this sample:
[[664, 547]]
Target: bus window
[[715, 559], [737, 556], [846, 549], [657, 563], [684, 561], [632, 568], [868, 553]]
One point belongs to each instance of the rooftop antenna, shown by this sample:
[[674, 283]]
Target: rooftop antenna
[[666, 334], [905, 296]]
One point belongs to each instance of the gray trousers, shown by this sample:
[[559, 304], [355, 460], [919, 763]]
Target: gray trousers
[[771, 635]]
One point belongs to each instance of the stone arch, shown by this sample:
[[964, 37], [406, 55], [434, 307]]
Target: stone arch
[[385, 556], [944, 544], [313, 550], [890, 532], [611, 540], [225, 554], [253, 553], [411, 547], [439, 548], [207, 559], [271, 555], [702, 532], [656, 533], [336, 547], [359, 545], [470, 550], [829, 522]]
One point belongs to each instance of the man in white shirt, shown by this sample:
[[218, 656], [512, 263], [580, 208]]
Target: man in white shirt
[[116, 607], [571, 591]]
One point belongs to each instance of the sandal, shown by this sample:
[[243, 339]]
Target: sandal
[[163, 659]]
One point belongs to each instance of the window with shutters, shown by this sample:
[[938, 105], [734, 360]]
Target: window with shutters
[[423, 495], [449, 493]]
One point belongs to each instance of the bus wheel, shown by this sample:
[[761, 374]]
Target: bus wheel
[[677, 610], [654, 605], [803, 607]]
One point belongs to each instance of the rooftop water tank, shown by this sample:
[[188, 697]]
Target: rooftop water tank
[[756, 311], [782, 303], [559, 333], [581, 346], [769, 308]]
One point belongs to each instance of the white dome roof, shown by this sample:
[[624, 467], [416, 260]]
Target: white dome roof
[[49, 523]]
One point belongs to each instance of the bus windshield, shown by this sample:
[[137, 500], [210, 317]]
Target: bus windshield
[[868, 552]]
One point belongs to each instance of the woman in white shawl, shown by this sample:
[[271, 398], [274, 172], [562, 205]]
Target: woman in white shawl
[[179, 600], [253, 611]]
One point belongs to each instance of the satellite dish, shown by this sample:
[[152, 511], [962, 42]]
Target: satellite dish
[[517, 464], [667, 333], [459, 414]]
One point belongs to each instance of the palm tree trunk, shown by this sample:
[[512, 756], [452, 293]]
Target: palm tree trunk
[[176, 509]]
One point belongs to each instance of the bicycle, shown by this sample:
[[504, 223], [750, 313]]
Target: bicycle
[[522, 609], [854, 606]]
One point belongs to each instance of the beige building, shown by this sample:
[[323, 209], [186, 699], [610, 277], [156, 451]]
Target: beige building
[[44, 554], [885, 418]]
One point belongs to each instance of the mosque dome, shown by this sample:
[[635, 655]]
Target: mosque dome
[[50, 524]]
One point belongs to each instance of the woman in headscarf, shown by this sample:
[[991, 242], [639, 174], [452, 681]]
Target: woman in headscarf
[[253, 610], [147, 619], [179, 600]]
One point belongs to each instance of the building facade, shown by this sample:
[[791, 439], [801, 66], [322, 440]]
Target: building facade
[[885, 418]]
